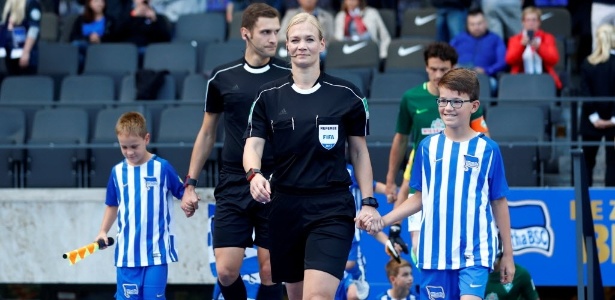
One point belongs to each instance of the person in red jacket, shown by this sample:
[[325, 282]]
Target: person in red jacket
[[533, 51]]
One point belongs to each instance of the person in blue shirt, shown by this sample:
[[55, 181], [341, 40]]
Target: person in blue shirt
[[459, 182], [400, 276], [480, 49]]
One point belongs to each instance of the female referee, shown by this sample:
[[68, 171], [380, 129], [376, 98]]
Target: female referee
[[308, 117]]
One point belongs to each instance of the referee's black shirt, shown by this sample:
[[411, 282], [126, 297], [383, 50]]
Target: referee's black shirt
[[231, 90], [309, 130]]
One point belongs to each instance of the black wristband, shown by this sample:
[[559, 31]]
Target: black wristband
[[189, 181], [370, 201]]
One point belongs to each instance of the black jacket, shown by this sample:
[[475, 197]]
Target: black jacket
[[597, 81]]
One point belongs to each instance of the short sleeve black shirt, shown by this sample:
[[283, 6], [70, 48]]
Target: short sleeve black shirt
[[308, 130], [231, 90]]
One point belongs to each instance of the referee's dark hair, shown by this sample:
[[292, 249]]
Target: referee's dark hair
[[441, 50], [461, 80], [257, 10]]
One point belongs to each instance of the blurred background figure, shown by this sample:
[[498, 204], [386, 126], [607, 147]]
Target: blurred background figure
[[400, 277], [172, 9], [144, 26], [598, 117], [603, 12], [451, 17], [503, 16], [324, 17], [358, 22], [480, 49], [19, 34], [92, 27], [533, 51]]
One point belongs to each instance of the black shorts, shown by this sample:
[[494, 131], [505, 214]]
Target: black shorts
[[310, 232], [238, 214]]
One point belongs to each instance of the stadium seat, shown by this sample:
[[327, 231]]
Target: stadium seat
[[485, 88], [351, 76], [348, 55], [194, 88], [389, 18], [128, 90], [34, 88], [220, 53], [105, 152], [180, 59], [200, 27], [382, 121], [84, 88], [57, 60], [392, 86], [523, 124], [556, 21], [178, 139], [50, 28], [66, 26], [116, 60], [234, 31], [12, 132], [419, 23], [406, 54], [53, 160]]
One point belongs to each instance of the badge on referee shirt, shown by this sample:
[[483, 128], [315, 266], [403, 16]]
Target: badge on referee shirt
[[327, 134]]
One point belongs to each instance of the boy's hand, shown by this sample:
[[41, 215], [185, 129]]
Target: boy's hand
[[507, 268], [102, 236], [190, 201]]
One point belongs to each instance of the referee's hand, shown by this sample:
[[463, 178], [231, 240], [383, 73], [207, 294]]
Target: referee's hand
[[190, 201], [260, 189]]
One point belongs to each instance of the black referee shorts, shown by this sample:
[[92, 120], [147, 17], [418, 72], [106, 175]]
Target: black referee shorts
[[310, 232], [238, 214]]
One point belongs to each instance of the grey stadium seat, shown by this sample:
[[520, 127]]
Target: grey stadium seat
[[201, 27], [128, 90], [382, 121], [389, 18], [83, 88], [392, 86], [352, 77], [348, 55], [178, 128], [116, 60], [220, 53], [12, 132], [419, 23], [194, 88], [34, 88], [51, 160], [58, 59], [406, 54], [556, 21], [50, 27]]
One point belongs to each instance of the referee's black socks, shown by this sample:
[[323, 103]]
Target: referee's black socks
[[235, 291], [270, 292]]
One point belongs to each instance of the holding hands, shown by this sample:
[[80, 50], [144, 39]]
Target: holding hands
[[190, 201], [260, 188]]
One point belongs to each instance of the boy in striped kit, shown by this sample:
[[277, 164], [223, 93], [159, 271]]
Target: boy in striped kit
[[139, 196], [458, 175]]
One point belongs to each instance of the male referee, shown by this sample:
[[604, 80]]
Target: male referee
[[231, 90]]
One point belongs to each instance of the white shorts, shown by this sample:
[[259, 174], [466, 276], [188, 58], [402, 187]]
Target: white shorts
[[415, 220]]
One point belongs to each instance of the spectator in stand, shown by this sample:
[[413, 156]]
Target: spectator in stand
[[603, 11], [324, 17], [598, 117], [480, 49], [144, 26], [92, 27], [503, 16], [357, 22], [451, 17], [533, 51], [172, 9], [19, 34]]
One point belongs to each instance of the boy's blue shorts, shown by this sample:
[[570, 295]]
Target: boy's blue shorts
[[141, 282], [452, 284]]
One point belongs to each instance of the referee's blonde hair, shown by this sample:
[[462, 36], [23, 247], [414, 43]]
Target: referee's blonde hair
[[131, 123], [305, 17], [605, 41]]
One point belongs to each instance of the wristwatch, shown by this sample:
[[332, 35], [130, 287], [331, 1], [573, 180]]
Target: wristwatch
[[189, 181], [251, 173], [370, 201]]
